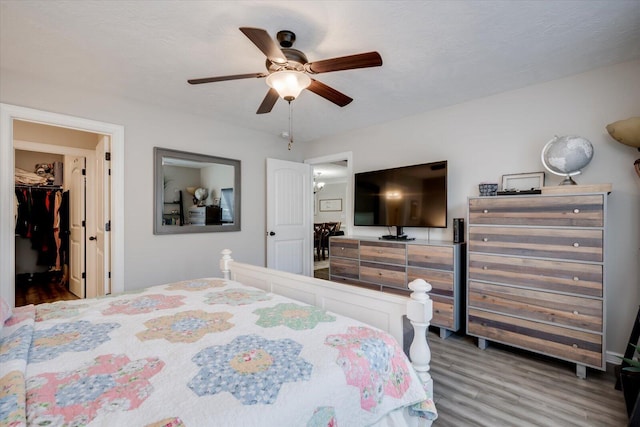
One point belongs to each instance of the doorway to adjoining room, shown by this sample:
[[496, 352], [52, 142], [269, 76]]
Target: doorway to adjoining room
[[330, 183]]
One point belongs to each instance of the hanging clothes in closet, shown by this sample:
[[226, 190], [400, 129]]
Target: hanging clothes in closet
[[39, 220]]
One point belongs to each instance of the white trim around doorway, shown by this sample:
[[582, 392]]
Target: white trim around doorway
[[8, 113]]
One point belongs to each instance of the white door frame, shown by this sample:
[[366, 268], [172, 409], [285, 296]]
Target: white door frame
[[8, 113]]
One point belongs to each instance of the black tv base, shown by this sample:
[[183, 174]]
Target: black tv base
[[398, 236], [394, 237]]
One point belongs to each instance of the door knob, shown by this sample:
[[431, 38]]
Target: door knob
[[272, 233], [93, 238]]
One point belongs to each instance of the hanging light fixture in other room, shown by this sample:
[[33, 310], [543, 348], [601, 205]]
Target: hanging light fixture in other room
[[317, 185]]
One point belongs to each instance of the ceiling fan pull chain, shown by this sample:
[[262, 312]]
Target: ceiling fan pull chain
[[290, 126]]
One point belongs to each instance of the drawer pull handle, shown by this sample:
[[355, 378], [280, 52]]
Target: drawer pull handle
[[379, 251], [575, 346], [576, 278], [484, 267], [485, 211], [379, 273], [485, 239], [576, 211], [575, 312], [342, 249], [576, 245]]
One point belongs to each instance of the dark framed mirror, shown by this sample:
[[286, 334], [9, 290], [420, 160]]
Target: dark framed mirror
[[195, 193]]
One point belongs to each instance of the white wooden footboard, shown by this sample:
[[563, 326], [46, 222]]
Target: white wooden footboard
[[375, 308]]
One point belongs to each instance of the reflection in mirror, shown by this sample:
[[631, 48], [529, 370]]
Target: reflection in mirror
[[195, 193]]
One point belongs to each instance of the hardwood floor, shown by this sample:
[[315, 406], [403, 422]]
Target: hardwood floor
[[40, 288], [502, 386]]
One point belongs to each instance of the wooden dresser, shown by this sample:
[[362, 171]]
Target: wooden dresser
[[389, 266], [536, 274]]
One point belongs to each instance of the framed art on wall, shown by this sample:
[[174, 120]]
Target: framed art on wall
[[331, 205], [523, 181]]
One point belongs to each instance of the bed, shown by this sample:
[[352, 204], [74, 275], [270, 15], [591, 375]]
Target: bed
[[256, 347]]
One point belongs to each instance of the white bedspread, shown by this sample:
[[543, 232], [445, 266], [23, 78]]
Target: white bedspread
[[197, 353]]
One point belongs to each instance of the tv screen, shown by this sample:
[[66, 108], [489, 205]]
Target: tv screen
[[409, 196]]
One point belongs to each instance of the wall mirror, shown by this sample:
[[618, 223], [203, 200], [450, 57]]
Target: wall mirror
[[195, 193]]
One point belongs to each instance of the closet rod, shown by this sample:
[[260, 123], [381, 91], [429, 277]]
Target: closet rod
[[49, 187]]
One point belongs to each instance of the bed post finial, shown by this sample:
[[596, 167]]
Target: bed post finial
[[419, 312], [224, 263]]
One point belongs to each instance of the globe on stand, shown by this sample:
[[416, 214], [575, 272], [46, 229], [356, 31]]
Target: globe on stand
[[567, 156]]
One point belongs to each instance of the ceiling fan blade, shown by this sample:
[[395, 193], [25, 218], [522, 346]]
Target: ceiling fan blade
[[268, 102], [361, 60], [329, 93], [265, 43], [224, 78]]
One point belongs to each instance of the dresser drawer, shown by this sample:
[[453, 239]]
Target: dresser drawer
[[347, 248], [568, 344], [562, 243], [559, 276], [384, 274], [563, 211], [344, 267], [441, 281], [438, 257], [563, 310], [392, 253], [443, 312]]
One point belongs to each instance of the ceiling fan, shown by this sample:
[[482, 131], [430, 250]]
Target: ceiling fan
[[288, 69]]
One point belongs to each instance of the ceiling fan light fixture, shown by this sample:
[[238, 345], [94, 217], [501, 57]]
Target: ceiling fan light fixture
[[288, 83]]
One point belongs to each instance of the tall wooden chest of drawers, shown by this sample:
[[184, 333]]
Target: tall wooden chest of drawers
[[389, 266], [536, 274]]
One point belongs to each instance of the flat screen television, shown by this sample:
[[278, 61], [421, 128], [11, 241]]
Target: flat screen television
[[408, 196]]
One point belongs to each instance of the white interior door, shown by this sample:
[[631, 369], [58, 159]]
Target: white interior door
[[289, 216], [76, 179], [103, 186]]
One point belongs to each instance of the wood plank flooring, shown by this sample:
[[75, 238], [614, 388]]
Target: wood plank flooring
[[502, 386], [41, 288]]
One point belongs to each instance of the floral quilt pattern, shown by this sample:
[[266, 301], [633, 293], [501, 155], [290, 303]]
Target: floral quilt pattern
[[250, 367], [324, 416], [58, 310], [143, 304], [373, 362], [168, 422], [292, 315], [186, 326], [16, 344], [196, 285], [12, 406], [199, 353], [237, 296], [20, 314], [65, 337], [111, 383]]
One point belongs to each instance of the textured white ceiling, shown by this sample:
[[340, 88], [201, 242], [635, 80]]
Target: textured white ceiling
[[435, 53]]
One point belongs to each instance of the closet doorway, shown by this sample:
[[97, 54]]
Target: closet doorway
[[60, 242], [113, 196]]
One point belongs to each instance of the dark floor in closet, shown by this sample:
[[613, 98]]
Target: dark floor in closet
[[39, 288]]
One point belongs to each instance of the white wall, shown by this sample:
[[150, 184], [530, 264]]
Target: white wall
[[151, 259], [505, 133], [331, 191]]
